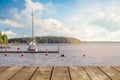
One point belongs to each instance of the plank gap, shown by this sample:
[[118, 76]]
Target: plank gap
[[69, 73], [4, 69], [51, 73], [115, 69], [104, 73], [87, 73], [16, 73], [34, 73]]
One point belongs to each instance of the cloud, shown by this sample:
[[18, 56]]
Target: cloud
[[86, 22], [50, 8], [29, 6], [12, 23], [108, 20], [52, 23], [10, 34], [97, 22], [14, 12], [52, 27], [42, 26]]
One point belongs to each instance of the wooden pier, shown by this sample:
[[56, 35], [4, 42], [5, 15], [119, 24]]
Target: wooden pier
[[29, 51], [60, 73]]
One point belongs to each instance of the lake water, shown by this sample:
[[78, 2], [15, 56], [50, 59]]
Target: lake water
[[83, 54]]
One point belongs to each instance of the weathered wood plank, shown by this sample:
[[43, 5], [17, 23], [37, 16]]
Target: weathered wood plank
[[9, 72], [24, 74], [60, 73], [112, 73], [2, 68], [77, 73], [42, 73], [95, 73], [117, 68]]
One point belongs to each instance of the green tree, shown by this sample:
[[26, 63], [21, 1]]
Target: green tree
[[0, 37], [5, 39]]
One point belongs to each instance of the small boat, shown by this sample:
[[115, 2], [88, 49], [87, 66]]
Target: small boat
[[32, 47]]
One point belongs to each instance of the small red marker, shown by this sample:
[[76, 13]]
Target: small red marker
[[84, 55], [22, 54], [46, 54], [18, 49], [6, 54], [62, 55]]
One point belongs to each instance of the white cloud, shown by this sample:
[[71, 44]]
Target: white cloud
[[90, 22], [50, 8], [75, 19], [52, 23], [29, 6], [12, 23], [99, 22], [10, 34], [108, 20], [42, 26], [14, 12]]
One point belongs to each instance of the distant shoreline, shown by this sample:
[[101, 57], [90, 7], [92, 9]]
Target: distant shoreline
[[45, 39]]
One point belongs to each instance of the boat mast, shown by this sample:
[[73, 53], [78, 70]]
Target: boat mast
[[32, 28]]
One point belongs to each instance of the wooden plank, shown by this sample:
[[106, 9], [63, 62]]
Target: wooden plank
[[9, 72], [112, 73], [24, 74], [117, 68], [95, 73], [2, 68], [77, 73], [42, 73], [60, 73]]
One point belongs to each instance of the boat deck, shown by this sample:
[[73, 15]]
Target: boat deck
[[60, 73]]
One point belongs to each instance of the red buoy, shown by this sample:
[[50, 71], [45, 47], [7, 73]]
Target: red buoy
[[62, 55], [84, 55], [22, 55], [6, 54], [46, 54], [18, 49]]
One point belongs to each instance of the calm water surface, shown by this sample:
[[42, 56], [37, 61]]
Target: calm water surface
[[83, 54]]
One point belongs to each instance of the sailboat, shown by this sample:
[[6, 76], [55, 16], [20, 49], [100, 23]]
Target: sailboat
[[33, 42]]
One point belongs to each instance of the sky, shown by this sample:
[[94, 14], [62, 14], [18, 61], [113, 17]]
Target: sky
[[87, 20]]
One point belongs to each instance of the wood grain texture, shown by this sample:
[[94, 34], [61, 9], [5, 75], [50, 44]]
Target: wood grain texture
[[9, 72], [117, 68], [24, 74], [96, 74], [112, 73], [42, 73], [60, 73], [77, 73], [2, 68]]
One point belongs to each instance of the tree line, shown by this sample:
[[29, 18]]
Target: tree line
[[45, 39], [3, 39]]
